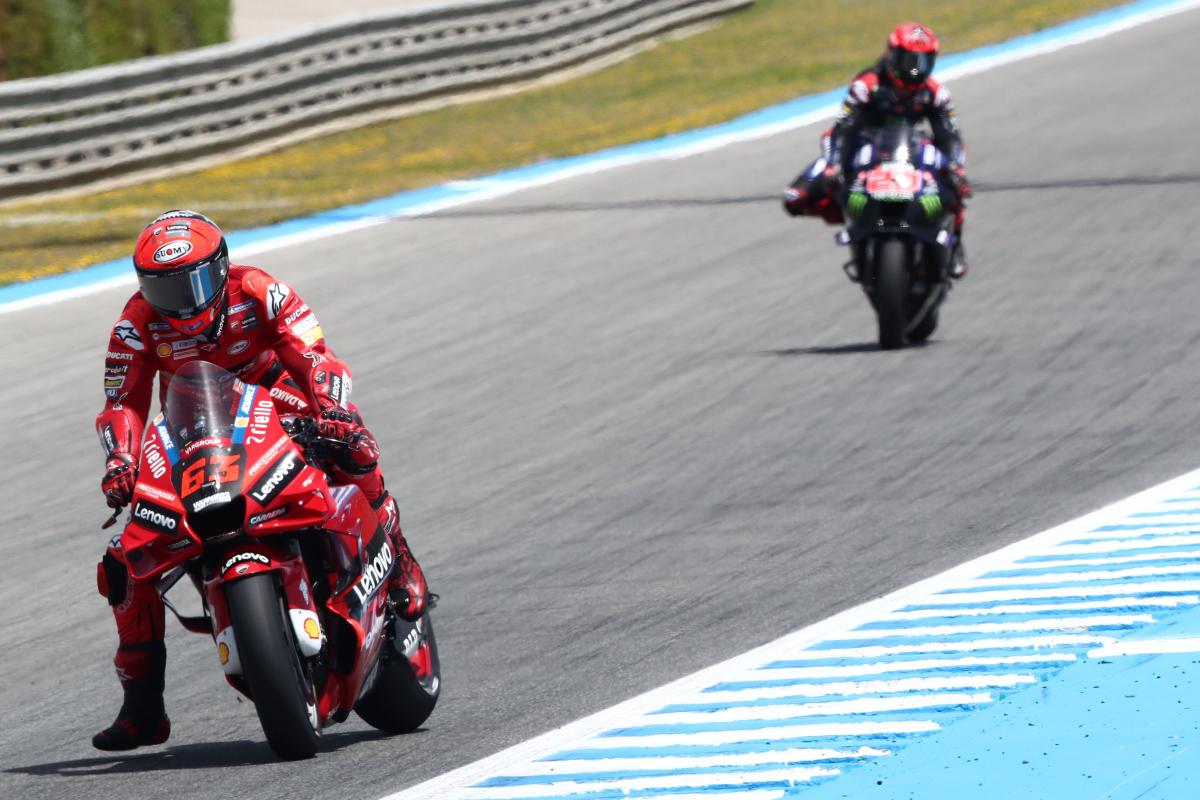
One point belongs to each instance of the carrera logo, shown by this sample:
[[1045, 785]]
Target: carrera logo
[[171, 251], [379, 564], [240, 557], [276, 478], [155, 516], [267, 516]]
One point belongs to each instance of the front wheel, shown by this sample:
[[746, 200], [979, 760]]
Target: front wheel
[[891, 292], [283, 693], [409, 680]]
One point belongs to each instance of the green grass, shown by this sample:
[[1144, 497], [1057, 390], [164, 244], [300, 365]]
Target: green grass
[[777, 50]]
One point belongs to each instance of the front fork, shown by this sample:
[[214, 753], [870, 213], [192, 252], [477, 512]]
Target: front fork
[[251, 557]]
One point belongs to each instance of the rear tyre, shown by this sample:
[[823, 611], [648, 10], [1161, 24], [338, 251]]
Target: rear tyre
[[407, 688], [891, 292], [283, 693]]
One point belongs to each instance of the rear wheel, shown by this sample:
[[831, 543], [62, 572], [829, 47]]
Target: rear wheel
[[891, 292], [283, 693], [407, 688]]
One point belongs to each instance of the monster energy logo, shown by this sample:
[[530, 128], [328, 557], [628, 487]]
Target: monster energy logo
[[856, 203], [932, 204]]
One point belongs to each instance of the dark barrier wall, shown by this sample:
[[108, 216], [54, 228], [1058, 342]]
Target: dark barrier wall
[[43, 37]]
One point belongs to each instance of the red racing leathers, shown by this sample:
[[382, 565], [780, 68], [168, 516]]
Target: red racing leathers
[[267, 336]]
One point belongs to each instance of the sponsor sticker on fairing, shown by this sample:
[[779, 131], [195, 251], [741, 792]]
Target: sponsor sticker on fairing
[[276, 478], [267, 516], [218, 498], [377, 565], [167, 442], [156, 517], [245, 557], [153, 491]]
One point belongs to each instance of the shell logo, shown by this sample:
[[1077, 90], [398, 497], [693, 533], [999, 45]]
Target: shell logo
[[223, 653], [164, 349], [312, 628]]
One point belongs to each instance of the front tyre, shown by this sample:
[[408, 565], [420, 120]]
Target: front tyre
[[891, 292], [925, 327], [409, 680], [283, 694]]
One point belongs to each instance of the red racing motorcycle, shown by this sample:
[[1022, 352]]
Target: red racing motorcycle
[[290, 569]]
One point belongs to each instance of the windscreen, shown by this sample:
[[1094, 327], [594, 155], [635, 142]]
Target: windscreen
[[202, 402], [897, 143]]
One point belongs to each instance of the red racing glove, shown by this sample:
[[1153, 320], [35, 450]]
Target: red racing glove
[[361, 454], [119, 477]]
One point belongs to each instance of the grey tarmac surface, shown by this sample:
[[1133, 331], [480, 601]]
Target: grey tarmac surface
[[637, 424]]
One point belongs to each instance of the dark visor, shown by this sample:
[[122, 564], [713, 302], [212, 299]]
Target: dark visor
[[912, 67], [186, 292]]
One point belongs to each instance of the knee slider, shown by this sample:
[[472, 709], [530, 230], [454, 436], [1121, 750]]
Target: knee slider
[[112, 580]]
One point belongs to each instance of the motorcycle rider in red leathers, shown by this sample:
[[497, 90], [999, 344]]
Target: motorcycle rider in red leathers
[[899, 85], [194, 305]]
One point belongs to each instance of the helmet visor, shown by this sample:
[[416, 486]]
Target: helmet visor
[[910, 67], [187, 292]]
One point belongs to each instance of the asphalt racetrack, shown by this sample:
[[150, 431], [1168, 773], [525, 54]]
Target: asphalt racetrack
[[638, 424]]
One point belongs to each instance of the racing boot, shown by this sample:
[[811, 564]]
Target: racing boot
[[958, 265], [407, 589], [142, 720], [958, 262]]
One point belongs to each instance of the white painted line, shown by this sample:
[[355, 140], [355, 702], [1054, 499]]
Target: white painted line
[[1083, 605], [1054, 624], [783, 733], [1137, 528], [1117, 545], [1001, 595], [864, 705], [1109, 560], [1080, 577], [844, 688], [1147, 647], [795, 775], [693, 763], [885, 667]]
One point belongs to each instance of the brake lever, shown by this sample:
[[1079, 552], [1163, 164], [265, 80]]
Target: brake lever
[[108, 523]]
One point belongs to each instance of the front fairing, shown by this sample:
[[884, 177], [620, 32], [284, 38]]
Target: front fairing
[[215, 463], [895, 189]]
